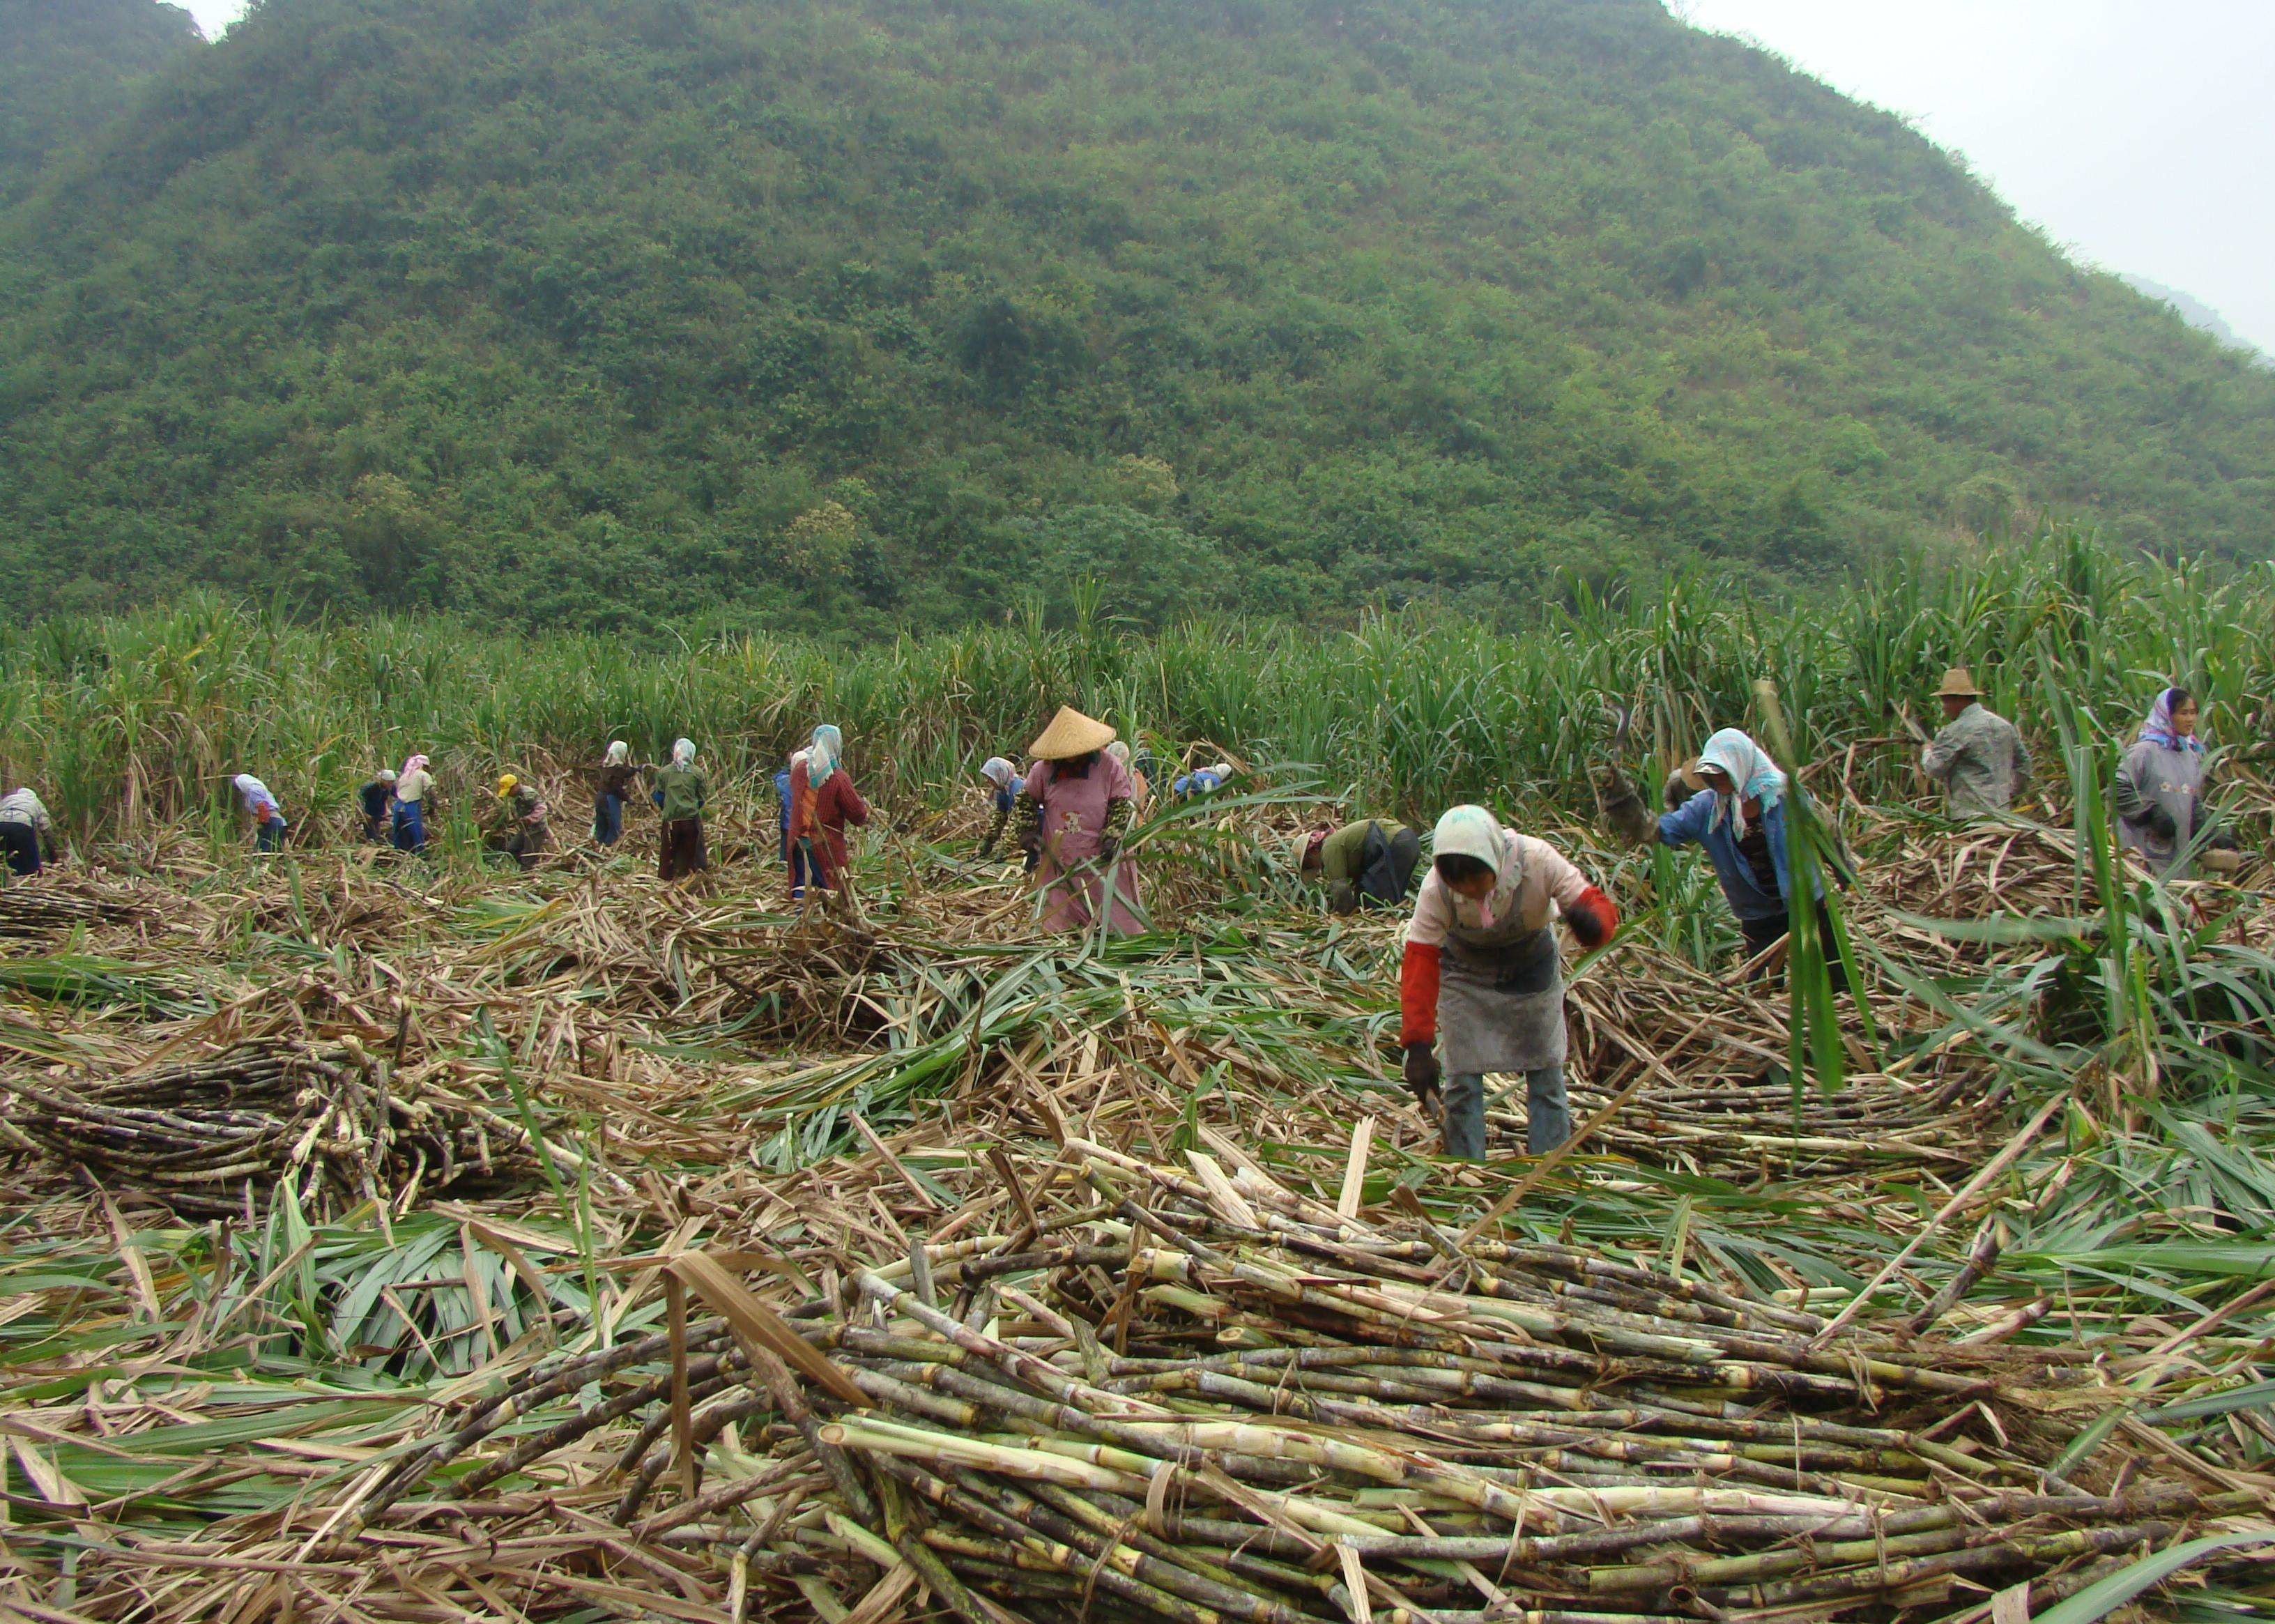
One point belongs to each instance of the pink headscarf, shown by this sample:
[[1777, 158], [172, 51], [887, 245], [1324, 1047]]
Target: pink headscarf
[[2159, 729], [416, 764]]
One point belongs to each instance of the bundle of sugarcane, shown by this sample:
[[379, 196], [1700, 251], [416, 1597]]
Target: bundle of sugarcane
[[1202, 1396], [216, 1136], [25, 912]]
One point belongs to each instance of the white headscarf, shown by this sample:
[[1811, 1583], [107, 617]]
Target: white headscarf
[[1119, 751], [683, 752], [822, 755], [1749, 768], [255, 793], [1222, 769], [619, 752], [1473, 832], [998, 772]]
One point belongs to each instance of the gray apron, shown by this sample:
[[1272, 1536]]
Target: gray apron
[[1501, 1000]]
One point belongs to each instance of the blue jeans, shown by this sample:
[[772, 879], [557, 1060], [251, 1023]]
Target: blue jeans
[[409, 827], [269, 836], [608, 819], [1547, 1116]]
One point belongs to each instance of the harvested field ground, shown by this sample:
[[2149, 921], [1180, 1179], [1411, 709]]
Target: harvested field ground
[[394, 1244]]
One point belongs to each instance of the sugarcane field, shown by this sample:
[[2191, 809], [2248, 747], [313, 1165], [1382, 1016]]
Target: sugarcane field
[[1230, 1125]]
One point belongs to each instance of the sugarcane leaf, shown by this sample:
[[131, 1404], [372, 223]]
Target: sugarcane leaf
[[2103, 1596]]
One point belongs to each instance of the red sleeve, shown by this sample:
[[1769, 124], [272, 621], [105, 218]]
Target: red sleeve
[[1417, 994], [849, 804], [1593, 918]]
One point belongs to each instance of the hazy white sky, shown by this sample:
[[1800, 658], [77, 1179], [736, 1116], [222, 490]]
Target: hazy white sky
[[2140, 133]]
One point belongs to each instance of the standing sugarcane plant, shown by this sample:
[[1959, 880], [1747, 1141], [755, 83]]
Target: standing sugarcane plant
[[1813, 854]]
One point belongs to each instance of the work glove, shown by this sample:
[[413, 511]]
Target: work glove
[[1422, 1075], [1676, 792], [2159, 823], [1108, 849]]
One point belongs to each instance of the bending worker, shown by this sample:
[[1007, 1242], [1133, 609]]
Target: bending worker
[[26, 833], [1482, 989], [1007, 783], [518, 822], [1073, 811], [376, 801], [1978, 757], [1738, 813], [1367, 865], [268, 821]]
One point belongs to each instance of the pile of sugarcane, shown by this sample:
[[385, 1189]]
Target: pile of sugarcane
[[1203, 1396], [217, 1137], [28, 912]]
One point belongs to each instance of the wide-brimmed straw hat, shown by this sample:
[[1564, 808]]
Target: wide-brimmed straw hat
[[1959, 684], [1070, 734]]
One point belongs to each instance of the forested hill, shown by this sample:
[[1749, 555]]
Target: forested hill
[[67, 67], [865, 313]]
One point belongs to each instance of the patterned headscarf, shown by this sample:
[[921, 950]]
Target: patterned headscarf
[[1749, 767], [416, 764], [823, 754], [998, 772], [619, 752], [683, 752], [2159, 729]]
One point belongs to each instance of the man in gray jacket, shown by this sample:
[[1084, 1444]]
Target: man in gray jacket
[[1978, 758]]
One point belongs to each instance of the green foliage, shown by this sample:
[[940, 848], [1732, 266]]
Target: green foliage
[[566, 313], [127, 721], [69, 67]]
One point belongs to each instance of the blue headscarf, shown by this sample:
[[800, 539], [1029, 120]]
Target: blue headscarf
[[2159, 729], [1749, 767]]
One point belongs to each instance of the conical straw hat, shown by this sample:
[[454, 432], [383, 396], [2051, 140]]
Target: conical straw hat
[[1070, 734]]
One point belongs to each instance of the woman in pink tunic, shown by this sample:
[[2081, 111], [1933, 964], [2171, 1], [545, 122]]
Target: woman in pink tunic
[[1074, 809]]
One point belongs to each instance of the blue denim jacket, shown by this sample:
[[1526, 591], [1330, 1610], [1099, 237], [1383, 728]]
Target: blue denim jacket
[[1694, 823]]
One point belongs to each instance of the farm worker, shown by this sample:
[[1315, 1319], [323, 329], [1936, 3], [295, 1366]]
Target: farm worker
[[1204, 782], [517, 826], [684, 794], [414, 788], [823, 801], [268, 824], [1370, 863], [1074, 809], [1141, 784], [793, 858], [1005, 777], [1732, 802], [377, 799], [2159, 794], [612, 790], [1482, 989], [1977, 756], [26, 833]]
